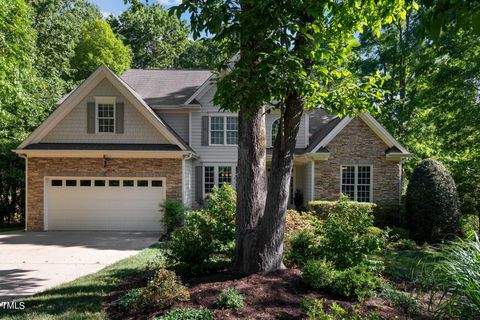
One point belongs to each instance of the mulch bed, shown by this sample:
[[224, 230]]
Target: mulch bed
[[274, 295]]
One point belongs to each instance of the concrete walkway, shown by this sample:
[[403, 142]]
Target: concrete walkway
[[31, 262]]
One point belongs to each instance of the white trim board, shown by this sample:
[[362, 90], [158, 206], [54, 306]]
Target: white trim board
[[201, 91], [76, 96]]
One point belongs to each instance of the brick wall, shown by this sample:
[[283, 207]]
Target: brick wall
[[357, 144], [38, 168]]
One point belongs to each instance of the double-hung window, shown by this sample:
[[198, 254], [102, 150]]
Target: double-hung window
[[217, 176], [105, 115], [223, 130], [356, 182]]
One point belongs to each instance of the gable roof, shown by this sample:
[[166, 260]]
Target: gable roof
[[74, 97], [166, 87], [333, 125]]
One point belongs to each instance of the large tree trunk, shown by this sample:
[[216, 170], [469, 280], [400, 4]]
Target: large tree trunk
[[250, 189], [272, 225]]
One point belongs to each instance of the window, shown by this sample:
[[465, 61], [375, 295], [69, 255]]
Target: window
[[156, 183], [209, 179], [114, 183], [99, 183], [85, 183], [217, 176], [223, 130], [356, 182], [128, 183], [71, 183], [142, 183], [275, 129], [57, 183], [224, 175], [105, 114]]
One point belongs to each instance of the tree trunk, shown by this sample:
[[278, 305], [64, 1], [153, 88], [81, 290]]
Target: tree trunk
[[271, 227], [250, 189]]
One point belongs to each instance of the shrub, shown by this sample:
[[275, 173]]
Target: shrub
[[187, 314], [229, 299], [389, 215], [358, 282], [348, 236], [173, 214], [314, 309], [457, 273], [406, 302], [298, 221], [432, 203], [322, 209], [404, 244], [133, 299], [319, 274], [398, 233], [301, 247], [164, 289], [206, 241]]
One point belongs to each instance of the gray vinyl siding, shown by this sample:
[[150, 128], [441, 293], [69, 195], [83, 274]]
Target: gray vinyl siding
[[301, 141], [178, 121], [73, 128]]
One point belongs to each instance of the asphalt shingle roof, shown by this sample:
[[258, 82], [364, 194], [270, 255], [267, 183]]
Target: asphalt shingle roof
[[165, 87]]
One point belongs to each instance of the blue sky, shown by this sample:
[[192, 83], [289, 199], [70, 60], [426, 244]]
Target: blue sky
[[116, 7]]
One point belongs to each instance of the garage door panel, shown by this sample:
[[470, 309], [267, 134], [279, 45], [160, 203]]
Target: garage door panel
[[104, 208]]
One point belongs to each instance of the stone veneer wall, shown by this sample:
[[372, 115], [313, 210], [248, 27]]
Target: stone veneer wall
[[38, 168], [358, 144]]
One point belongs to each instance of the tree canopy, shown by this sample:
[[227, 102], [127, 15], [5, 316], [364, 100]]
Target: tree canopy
[[99, 45]]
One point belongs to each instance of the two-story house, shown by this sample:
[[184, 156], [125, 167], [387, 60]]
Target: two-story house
[[116, 147]]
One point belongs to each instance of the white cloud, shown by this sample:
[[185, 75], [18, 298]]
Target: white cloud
[[105, 14], [169, 3]]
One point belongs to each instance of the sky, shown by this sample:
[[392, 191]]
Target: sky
[[116, 7]]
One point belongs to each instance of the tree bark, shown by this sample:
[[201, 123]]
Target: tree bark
[[271, 227], [250, 189]]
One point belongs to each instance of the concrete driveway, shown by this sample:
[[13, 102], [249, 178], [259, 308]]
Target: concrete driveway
[[31, 262]]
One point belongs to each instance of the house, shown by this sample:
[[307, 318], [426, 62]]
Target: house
[[116, 147]]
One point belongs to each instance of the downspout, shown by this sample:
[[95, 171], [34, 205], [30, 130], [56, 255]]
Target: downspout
[[24, 156], [400, 183]]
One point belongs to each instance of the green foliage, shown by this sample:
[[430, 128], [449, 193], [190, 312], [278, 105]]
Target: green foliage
[[314, 309], [398, 233], [187, 314], [133, 299], [203, 54], [319, 274], [298, 221], [402, 300], [156, 37], [432, 203], [230, 299], [165, 289], [173, 214], [458, 274], [99, 45], [348, 237], [301, 247], [323, 208], [357, 282], [207, 239], [404, 244]]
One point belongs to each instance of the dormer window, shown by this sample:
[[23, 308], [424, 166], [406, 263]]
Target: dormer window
[[105, 115]]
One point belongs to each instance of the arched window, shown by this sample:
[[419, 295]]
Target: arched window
[[275, 129]]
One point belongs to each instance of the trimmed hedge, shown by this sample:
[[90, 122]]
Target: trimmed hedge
[[385, 214]]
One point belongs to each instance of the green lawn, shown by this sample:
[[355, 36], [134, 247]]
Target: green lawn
[[83, 297], [405, 264]]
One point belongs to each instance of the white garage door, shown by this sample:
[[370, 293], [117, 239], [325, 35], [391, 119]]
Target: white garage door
[[104, 203]]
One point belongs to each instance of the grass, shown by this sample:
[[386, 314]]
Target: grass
[[405, 264], [13, 228], [83, 298]]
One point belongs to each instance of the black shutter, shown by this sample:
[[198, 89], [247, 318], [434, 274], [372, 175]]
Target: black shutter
[[90, 117], [119, 117], [199, 184], [205, 130]]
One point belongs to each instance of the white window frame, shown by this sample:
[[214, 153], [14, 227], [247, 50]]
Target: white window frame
[[355, 197], [105, 100], [224, 130], [215, 175]]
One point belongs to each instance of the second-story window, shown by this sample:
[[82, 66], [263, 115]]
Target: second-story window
[[105, 116], [275, 129], [223, 130]]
